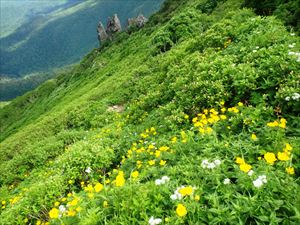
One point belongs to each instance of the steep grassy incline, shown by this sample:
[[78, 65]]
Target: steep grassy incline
[[193, 119]]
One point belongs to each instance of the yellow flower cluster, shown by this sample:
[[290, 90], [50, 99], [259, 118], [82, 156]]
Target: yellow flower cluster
[[186, 191], [207, 118], [286, 152], [245, 167], [3, 204], [281, 123]]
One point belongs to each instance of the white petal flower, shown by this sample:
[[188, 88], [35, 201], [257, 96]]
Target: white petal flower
[[291, 53], [258, 183], [62, 209], [287, 98], [204, 163], [296, 96], [254, 51], [158, 182], [211, 166], [226, 181], [153, 221], [165, 179], [263, 178], [88, 170], [173, 197], [291, 46], [250, 173], [217, 162], [292, 34]]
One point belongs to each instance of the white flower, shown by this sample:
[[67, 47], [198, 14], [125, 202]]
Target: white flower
[[176, 194], [291, 46], [62, 209], [292, 53], [158, 182], [287, 98], [226, 181], [296, 96], [217, 162], [257, 47], [258, 183], [88, 170], [165, 179], [250, 173], [173, 197], [153, 221], [204, 163], [211, 166], [263, 178], [254, 51], [292, 34]]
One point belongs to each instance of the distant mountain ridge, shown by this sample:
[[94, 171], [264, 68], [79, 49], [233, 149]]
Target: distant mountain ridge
[[62, 35]]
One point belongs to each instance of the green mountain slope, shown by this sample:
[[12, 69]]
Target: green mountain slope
[[193, 119]]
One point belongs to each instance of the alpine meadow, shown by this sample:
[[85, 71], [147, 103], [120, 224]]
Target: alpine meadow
[[191, 118]]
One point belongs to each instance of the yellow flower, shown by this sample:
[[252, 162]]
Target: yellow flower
[[197, 197], [56, 204], [282, 123], [120, 180], [89, 188], [157, 153], [3, 202], [174, 139], [151, 162], [272, 124], [270, 157], [223, 117], [181, 210], [78, 209], [222, 102], [253, 137], [71, 213], [245, 167], [64, 199], [162, 162], [167, 219], [98, 187], [240, 104], [283, 156], [135, 174], [73, 202], [186, 191], [239, 160], [288, 147], [105, 204], [290, 170], [38, 222], [71, 182], [54, 213], [164, 148]]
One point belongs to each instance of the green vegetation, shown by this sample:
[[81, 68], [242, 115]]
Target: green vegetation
[[193, 119]]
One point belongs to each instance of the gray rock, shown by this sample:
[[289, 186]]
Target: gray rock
[[138, 22], [113, 26], [102, 35]]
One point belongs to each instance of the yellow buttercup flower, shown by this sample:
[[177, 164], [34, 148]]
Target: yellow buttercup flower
[[245, 167], [239, 160], [135, 174], [105, 204], [71, 213], [162, 162], [181, 210], [270, 157], [151, 162], [98, 187], [283, 156], [290, 170], [186, 191], [197, 197], [120, 180], [253, 137], [54, 213]]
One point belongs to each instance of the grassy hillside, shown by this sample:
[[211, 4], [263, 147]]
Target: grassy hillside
[[193, 119]]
